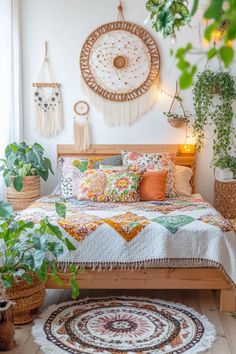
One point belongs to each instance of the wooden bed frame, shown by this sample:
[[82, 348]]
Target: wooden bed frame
[[153, 278]]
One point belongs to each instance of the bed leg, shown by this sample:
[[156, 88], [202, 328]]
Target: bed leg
[[227, 300]]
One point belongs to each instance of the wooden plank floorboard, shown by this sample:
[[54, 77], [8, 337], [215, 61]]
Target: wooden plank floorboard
[[209, 309], [203, 301]]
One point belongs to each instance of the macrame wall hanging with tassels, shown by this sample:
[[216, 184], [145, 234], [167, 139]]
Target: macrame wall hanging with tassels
[[81, 126], [119, 64], [47, 102]]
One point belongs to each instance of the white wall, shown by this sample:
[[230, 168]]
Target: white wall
[[66, 24]]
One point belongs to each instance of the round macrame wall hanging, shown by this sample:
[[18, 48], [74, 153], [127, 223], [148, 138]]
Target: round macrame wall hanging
[[120, 63]]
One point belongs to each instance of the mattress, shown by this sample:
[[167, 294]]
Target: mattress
[[180, 232]]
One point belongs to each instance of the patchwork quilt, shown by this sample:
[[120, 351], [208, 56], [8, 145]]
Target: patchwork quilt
[[179, 232]]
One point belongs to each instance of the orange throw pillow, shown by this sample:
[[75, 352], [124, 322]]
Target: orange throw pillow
[[153, 185]]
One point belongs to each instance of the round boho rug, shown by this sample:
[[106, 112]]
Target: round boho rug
[[122, 325]]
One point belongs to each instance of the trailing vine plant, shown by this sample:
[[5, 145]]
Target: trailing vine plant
[[213, 94]]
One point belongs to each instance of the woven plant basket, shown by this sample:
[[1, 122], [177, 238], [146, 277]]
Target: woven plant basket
[[225, 198], [29, 193], [27, 299], [177, 122]]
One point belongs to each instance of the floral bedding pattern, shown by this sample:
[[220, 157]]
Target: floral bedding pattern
[[109, 186], [153, 161], [184, 231], [72, 168]]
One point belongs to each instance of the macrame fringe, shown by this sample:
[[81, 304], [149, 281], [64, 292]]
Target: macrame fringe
[[81, 134], [122, 113], [40, 338], [48, 123]]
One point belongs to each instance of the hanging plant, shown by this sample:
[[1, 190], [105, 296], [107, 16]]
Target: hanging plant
[[168, 15], [219, 112], [175, 119]]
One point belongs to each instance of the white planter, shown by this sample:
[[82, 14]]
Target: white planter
[[224, 174]]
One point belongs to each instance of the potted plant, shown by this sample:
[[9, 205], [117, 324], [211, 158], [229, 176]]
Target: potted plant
[[22, 167], [175, 119], [225, 167], [168, 15], [29, 252], [219, 113]]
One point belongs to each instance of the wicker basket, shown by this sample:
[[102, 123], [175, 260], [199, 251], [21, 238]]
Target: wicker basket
[[27, 299], [225, 198], [29, 193], [177, 122]]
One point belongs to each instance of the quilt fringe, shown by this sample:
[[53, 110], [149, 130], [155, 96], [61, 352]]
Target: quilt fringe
[[152, 263]]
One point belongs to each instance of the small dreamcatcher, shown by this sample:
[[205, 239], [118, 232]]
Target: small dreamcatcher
[[81, 126], [47, 103]]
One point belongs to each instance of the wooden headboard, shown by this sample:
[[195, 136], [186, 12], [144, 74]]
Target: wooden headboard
[[102, 151]]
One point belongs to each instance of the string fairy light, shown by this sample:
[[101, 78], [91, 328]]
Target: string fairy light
[[163, 91], [187, 136]]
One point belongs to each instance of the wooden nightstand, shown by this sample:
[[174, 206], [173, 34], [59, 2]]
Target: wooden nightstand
[[225, 198]]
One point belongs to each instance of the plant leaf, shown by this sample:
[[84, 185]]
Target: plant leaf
[[69, 245], [227, 55], [209, 30], [18, 183], [27, 278], [185, 80], [5, 210], [25, 170], [57, 279], [214, 10], [61, 210], [211, 53], [75, 288], [195, 7], [39, 256], [43, 174], [48, 164]]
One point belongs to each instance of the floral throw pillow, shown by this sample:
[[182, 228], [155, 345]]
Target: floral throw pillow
[[123, 187], [109, 186], [71, 169], [154, 161]]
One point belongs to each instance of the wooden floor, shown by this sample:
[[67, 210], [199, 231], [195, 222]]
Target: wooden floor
[[203, 301]]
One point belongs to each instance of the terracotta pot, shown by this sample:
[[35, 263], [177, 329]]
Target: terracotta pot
[[7, 329], [27, 298], [29, 193]]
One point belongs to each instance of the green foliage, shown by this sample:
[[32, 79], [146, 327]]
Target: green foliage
[[218, 112], [23, 160], [168, 15], [61, 210], [221, 17], [176, 116], [5, 210], [27, 247], [224, 162]]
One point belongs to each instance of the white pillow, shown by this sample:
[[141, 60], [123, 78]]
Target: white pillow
[[183, 176]]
